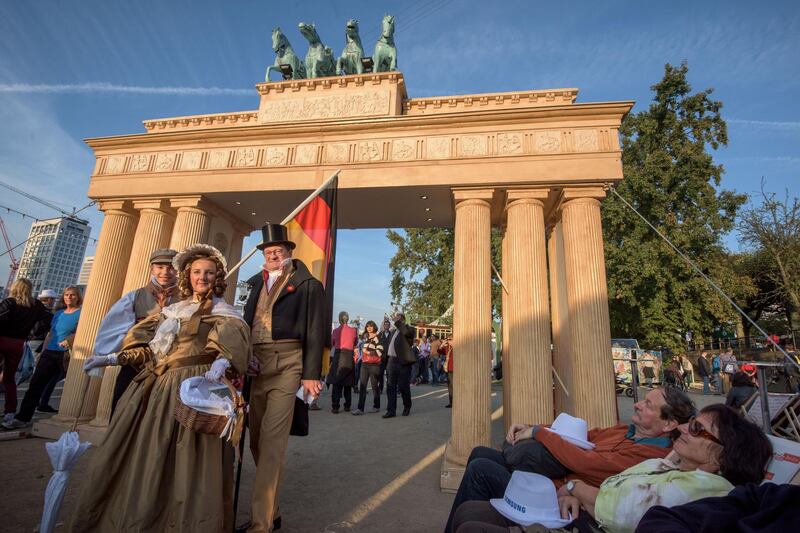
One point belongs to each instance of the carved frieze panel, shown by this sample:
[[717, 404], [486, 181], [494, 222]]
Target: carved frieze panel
[[509, 143], [337, 153], [191, 160], [547, 142], [306, 154], [370, 151], [276, 156], [586, 140], [472, 145], [330, 106], [116, 164], [437, 147], [218, 158], [166, 161], [404, 149], [246, 157], [140, 162]]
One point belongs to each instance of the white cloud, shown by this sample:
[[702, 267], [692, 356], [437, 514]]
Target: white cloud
[[104, 87], [766, 124]]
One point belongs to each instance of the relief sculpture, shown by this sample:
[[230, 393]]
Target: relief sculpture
[[327, 107]]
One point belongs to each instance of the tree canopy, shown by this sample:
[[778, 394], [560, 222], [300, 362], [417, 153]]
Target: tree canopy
[[672, 179]]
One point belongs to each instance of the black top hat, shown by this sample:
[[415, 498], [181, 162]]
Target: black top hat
[[272, 234]]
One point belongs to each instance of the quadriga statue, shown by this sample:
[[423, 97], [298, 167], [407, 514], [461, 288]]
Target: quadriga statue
[[385, 56], [350, 60], [285, 56], [319, 59]]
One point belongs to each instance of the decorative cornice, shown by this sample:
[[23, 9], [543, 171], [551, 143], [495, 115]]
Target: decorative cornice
[[312, 84], [201, 121], [443, 104]]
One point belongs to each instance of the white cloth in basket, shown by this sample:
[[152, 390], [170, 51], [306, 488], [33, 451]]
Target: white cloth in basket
[[198, 393]]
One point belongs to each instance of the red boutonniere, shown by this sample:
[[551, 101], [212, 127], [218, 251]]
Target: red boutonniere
[[290, 288]]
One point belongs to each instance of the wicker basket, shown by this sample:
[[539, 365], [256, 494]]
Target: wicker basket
[[203, 422]]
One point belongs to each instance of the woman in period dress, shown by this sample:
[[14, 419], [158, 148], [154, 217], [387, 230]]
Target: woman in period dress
[[150, 473]]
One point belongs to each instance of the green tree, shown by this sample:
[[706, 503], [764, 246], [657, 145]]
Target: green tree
[[773, 230], [672, 179], [422, 271]]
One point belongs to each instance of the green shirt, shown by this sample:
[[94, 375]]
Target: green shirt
[[623, 499]]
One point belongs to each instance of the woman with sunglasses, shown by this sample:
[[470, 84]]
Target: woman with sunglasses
[[712, 453], [715, 451]]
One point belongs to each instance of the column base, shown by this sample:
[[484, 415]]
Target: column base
[[52, 428], [452, 472]]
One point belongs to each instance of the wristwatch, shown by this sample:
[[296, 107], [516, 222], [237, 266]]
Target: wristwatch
[[570, 486]]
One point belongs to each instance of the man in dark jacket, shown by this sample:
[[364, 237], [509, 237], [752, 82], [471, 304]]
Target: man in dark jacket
[[747, 508], [384, 337], [400, 359], [704, 368], [286, 313]]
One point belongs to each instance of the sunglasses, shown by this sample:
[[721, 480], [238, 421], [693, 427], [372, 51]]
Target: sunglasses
[[696, 429]]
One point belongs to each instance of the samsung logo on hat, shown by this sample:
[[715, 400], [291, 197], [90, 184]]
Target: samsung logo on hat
[[514, 505]]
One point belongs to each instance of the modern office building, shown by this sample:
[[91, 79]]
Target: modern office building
[[86, 270], [54, 253]]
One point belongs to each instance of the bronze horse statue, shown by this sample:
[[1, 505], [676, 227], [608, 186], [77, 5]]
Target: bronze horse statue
[[385, 55], [319, 58], [285, 56], [350, 60]]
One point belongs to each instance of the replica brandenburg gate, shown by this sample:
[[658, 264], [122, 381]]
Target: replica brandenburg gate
[[533, 163]]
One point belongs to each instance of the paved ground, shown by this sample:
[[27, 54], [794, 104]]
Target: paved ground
[[352, 473]]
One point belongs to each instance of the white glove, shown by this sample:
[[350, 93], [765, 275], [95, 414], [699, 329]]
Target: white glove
[[98, 361], [217, 370]]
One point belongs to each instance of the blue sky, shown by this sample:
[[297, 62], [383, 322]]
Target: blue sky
[[71, 70]]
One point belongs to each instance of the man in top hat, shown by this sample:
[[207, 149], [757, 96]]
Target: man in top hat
[[133, 307], [285, 311]]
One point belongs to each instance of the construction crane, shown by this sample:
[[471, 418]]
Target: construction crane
[[14, 263], [39, 200]]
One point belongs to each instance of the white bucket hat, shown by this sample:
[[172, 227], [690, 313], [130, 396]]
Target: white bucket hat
[[48, 293], [573, 430], [530, 499]]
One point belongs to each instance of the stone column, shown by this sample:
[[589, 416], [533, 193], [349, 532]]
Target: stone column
[[587, 296], [528, 371], [233, 257], [153, 232], [472, 325], [559, 318], [508, 417], [192, 222], [104, 288]]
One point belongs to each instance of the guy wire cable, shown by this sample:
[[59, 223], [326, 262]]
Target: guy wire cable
[[705, 277]]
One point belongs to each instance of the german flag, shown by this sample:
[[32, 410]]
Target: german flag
[[313, 230]]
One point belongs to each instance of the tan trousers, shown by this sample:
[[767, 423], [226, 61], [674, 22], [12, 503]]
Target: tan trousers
[[271, 410]]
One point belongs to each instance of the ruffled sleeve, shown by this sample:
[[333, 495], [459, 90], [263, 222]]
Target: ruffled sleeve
[[134, 349], [230, 338]]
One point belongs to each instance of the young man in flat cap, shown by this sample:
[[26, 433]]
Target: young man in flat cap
[[286, 311], [133, 307]]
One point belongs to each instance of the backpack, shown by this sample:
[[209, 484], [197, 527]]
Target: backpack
[[715, 364]]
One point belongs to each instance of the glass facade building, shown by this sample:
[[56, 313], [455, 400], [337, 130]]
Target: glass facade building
[[54, 253]]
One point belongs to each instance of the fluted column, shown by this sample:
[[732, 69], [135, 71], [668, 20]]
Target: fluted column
[[528, 369], [587, 295], [192, 222], [104, 288], [472, 325], [233, 257], [152, 232], [508, 417], [559, 318]]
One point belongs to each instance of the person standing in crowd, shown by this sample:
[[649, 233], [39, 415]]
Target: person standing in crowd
[[286, 310], [435, 360], [400, 360], [741, 390], [425, 356], [151, 473], [18, 314], [729, 368], [371, 356], [385, 337], [446, 351], [52, 365], [414, 378], [648, 371], [36, 338], [716, 368], [134, 307], [688, 371], [342, 372], [704, 369]]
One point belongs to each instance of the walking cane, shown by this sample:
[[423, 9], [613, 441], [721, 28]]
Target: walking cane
[[246, 396]]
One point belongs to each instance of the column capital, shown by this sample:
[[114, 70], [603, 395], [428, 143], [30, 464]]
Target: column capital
[[198, 202], [473, 194], [526, 196], [159, 204], [122, 206], [583, 193]]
